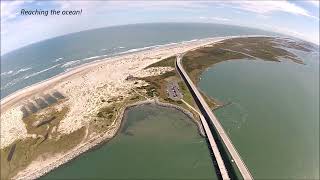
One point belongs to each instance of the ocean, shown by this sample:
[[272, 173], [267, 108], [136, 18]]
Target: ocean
[[273, 118], [40, 61]]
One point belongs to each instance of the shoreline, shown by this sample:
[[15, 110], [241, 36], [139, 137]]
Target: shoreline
[[132, 63], [86, 66], [89, 81], [98, 141]]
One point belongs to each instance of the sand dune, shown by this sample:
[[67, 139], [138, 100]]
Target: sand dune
[[84, 86]]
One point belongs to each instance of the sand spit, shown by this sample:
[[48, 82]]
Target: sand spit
[[153, 71], [51, 162], [158, 53], [84, 87], [12, 127]]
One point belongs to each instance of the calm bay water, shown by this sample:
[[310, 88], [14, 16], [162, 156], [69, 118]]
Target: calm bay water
[[274, 116], [154, 142], [273, 119]]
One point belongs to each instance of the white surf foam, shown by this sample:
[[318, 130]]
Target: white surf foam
[[39, 72], [58, 59], [93, 57], [6, 73], [71, 63], [21, 70], [11, 83]]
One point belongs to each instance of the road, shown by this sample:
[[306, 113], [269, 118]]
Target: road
[[221, 132], [213, 144]]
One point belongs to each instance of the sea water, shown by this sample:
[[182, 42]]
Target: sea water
[[154, 142], [42, 60], [273, 118]]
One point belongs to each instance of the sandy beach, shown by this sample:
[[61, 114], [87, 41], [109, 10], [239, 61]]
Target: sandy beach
[[84, 86], [50, 163]]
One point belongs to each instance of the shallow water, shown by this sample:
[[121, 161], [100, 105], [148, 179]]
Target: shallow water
[[274, 117], [154, 142], [273, 120]]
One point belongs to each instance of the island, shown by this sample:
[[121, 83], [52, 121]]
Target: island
[[52, 122]]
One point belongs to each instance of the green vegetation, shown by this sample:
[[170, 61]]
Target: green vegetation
[[104, 118], [213, 104], [47, 141], [33, 121], [158, 86], [169, 62], [205, 58], [186, 93], [102, 121], [42, 124], [30, 149], [258, 48]]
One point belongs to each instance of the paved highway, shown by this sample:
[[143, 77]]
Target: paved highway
[[227, 142], [213, 144]]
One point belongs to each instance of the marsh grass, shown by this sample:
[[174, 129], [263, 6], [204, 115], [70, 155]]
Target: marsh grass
[[30, 149], [255, 48], [44, 142]]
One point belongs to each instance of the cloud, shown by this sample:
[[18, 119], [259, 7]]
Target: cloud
[[18, 31], [214, 18], [36, 28], [9, 9], [294, 33], [313, 2], [264, 7], [123, 5]]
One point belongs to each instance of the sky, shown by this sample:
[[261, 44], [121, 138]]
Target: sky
[[299, 18]]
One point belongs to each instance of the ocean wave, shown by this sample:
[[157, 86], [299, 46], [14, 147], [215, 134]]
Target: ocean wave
[[21, 78], [93, 57], [21, 70], [139, 49], [6, 73], [192, 40], [113, 49], [155, 46], [11, 83], [71, 63], [119, 47], [13, 73], [58, 59], [39, 72], [79, 61]]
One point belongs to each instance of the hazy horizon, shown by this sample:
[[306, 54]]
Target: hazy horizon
[[280, 34], [295, 18]]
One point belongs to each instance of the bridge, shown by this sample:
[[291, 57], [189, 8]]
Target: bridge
[[209, 118]]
